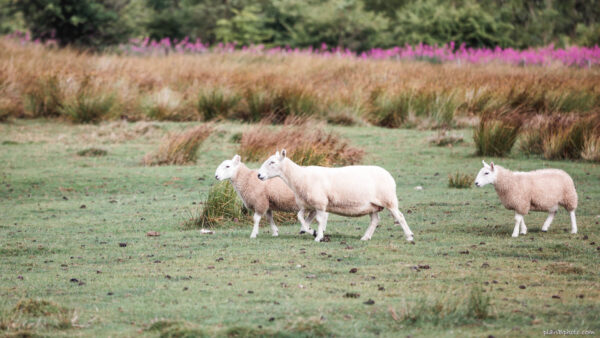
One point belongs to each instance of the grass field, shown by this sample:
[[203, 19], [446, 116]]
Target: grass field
[[73, 232]]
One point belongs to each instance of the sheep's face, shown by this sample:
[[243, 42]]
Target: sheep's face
[[272, 166], [228, 168], [486, 175]]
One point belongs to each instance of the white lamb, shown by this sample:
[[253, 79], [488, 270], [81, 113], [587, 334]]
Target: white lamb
[[347, 191], [538, 190], [258, 196]]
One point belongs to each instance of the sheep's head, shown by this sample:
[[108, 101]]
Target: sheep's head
[[272, 166], [487, 175], [228, 168]]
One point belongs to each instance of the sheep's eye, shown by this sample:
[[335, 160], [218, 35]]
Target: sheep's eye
[[272, 162], [485, 173], [228, 167]]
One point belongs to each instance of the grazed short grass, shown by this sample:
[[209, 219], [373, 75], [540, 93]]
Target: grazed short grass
[[226, 282]]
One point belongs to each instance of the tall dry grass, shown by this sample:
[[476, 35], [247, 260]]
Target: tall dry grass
[[35, 81], [307, 143], [179, 148]]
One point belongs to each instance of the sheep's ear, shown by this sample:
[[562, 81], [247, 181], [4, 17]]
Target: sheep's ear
[[237, 159], [277, 154], [492, 166], [484, 164], [283, 153]]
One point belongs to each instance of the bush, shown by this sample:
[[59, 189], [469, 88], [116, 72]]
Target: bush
[[531, 142], [306, 144], [495, 137], [180, 148], [389, 112], [460, 180], [216, 103], [567, 143], [278, 104]]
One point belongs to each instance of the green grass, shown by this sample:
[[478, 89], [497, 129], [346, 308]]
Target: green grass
[[462, 277]]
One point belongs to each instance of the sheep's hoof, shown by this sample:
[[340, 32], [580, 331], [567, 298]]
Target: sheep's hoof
[[253, 236], [365, 238], [275, 234], [544, 230], [317, 239], [524, 233], [574, 232], [410, 238], [515, 235]]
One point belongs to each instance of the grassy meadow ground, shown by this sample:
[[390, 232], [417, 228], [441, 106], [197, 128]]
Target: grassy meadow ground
[[184, 282]]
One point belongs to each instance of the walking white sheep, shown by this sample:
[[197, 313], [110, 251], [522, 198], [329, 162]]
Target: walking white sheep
[[347, 191], [538, 190], [258, 196]]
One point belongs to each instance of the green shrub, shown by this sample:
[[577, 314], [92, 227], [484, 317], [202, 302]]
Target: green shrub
[[478, 305], [531, 142], [460, 180], [277, 105], [216, 103], [389, 112], [495, 137], [88, 106]]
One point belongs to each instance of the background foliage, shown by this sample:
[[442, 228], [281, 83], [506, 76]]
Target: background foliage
[[356, 24]]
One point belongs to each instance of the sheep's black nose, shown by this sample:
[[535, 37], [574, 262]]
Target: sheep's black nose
[[217, 176], [258, 176], [477, 184]]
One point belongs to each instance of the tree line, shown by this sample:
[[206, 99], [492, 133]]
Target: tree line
[[355, 24]]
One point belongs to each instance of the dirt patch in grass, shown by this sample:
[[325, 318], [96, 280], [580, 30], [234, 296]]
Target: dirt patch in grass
[[564, 268], [92, 152]]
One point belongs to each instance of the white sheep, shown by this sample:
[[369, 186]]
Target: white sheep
[[260, 197], [538, 190], [347, 191]]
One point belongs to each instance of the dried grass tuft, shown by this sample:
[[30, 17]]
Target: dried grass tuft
[[180, 148], [306, 143]]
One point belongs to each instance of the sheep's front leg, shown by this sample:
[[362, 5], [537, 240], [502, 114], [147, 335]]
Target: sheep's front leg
[[399, 219], [573, 222], [256, 218], [523, 227], [372, 227], [518, 220], [322, 220], [272, 222], [548, 221]]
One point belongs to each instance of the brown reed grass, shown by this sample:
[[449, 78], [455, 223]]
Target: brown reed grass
[[179, 148], [306, 142], [35, 81]]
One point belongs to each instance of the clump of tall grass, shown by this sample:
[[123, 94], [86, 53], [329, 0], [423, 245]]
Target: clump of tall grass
[[277, 104], [87, 105], [306, 144], [44, 97], [222, 204], [591, 148], [216, 102], [495, 137], [566, 143], [460, 180], [389, 112], [179, 148], [164, 104]]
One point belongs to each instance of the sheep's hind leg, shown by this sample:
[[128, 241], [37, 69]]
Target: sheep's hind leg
[[518, 220], [305, 223], [548, 221], [400, 220], [308, 220], [272, 222], [372, 227], [573, 222], [322, 220], [256, 218]]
